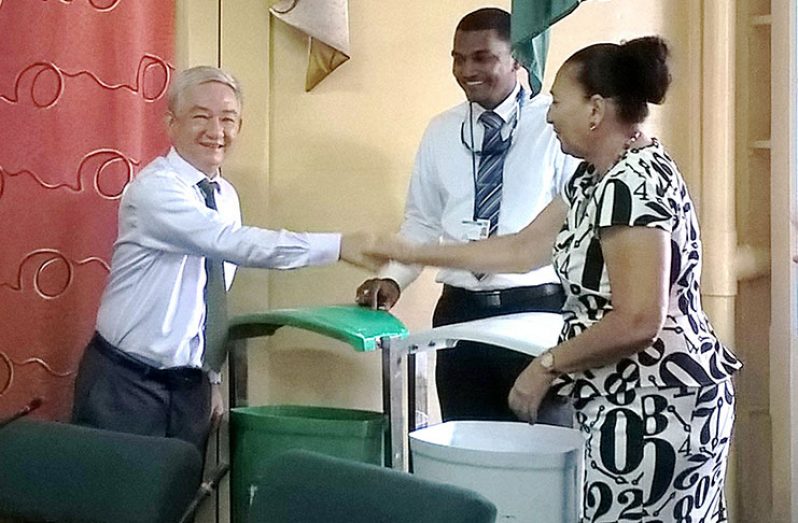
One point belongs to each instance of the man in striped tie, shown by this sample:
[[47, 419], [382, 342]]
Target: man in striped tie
[[484, 167]]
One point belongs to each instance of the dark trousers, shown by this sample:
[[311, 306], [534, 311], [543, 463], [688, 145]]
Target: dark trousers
[[474, 379], [116, 392]]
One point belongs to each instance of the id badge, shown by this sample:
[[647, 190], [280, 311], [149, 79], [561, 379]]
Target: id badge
[[478, 229]]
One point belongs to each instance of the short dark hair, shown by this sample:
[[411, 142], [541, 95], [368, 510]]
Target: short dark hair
[[634, 74], [486, 19]]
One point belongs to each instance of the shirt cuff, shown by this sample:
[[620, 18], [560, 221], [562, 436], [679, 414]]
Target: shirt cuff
[[402, 274], [214, 377], [325, 248]]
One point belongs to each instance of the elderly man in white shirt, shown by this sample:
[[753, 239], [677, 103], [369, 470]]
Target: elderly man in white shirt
[[470, 182], [153, 364]]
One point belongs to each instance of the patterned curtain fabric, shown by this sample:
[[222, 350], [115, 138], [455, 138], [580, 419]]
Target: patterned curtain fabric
[[531, 20], [82, 103]]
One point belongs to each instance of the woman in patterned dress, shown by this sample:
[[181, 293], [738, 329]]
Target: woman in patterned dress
[[651, 382]]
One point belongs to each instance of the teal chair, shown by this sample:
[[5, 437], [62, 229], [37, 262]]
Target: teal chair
[[66, 473], [301, 486]]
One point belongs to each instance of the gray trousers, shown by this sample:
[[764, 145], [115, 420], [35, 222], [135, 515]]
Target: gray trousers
[[116, 392]]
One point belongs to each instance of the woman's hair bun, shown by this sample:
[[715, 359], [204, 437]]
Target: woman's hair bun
[[643, 66]]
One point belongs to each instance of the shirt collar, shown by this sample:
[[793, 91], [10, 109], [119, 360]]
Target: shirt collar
[[185, 171], [504, 109]]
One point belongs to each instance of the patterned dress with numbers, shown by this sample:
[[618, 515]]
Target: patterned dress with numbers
[[658, 424]]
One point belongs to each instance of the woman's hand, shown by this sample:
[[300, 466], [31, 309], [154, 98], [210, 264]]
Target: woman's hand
[[529, 390], [518, 253]]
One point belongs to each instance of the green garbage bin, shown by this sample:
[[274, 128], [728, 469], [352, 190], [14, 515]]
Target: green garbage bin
[[261, 433]]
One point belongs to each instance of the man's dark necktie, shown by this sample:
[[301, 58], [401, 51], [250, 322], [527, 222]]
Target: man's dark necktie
[[215, 298], [488, 197]]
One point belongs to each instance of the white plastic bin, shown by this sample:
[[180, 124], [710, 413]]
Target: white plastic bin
[[531, 472]]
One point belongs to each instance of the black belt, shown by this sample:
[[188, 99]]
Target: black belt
[[172, 376], [502, 297]]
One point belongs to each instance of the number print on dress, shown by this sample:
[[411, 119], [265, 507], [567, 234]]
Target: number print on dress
[[646, 460], [644, 189]]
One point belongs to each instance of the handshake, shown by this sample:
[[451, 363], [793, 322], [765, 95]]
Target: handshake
[[370, 250], [509, 253]]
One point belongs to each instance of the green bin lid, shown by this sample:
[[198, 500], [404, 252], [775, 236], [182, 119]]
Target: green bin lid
[[358, 326]]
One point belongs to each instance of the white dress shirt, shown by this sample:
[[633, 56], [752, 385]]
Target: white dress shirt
[[153, 306], [441, 193]]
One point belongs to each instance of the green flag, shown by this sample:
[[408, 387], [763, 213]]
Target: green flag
[[530, 21]]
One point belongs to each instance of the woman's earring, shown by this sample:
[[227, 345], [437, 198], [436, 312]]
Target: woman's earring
[[593, 127]]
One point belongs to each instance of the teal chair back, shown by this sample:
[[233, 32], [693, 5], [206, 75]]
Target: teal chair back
[[58, 472], [308, 487]]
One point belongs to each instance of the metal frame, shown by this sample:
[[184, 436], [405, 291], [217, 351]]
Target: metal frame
[[531, 333], [393, 353]]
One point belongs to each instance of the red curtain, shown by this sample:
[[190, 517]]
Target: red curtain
[[82, 103]]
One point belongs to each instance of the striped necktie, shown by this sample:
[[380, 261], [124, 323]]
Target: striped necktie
[[215, 297], [489, 176]]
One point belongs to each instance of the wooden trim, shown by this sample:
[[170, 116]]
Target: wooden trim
[[783, 342]]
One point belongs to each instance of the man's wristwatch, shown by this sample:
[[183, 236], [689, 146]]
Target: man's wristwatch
[[547, 362]]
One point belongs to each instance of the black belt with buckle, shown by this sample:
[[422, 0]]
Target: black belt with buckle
[[172, 376], [514, 296]]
